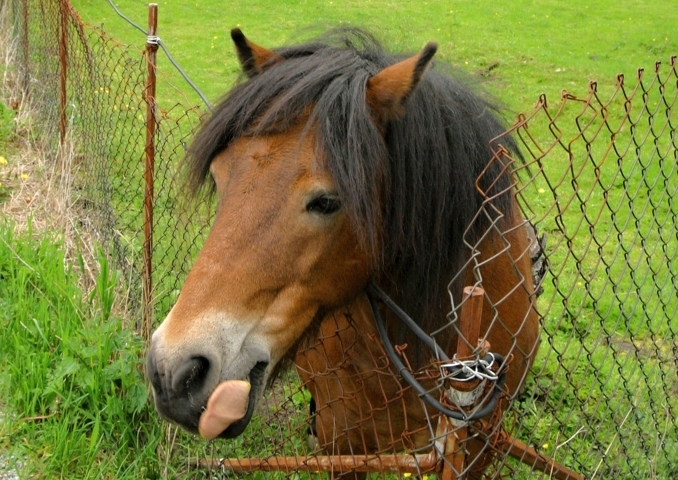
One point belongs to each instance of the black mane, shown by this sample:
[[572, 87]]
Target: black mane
[[411, 193]]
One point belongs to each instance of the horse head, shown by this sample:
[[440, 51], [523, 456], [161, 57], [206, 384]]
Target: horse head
[[288, 241]]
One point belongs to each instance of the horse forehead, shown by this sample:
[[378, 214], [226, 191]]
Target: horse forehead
[[287, 157]]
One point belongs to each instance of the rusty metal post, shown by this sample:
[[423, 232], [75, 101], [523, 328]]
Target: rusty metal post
[[419, 463], [149, 171], [63, 66], [469, 322], [469, 332], [26, 70]]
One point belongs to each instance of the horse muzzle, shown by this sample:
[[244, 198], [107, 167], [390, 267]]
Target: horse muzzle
[[189, 383]]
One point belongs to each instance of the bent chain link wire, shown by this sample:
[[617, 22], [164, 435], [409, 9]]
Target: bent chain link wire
[[467, 370]]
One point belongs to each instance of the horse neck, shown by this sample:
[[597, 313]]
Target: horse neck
[[349, 338]]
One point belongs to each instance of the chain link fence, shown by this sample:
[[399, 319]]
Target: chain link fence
[[599, 183], [89, 86]]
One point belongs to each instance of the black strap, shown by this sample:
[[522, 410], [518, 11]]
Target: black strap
[[372, 291]]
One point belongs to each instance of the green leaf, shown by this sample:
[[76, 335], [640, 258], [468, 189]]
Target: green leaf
[[94, 439], [136, 398]]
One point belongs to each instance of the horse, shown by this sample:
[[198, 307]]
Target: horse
[[336, 166]]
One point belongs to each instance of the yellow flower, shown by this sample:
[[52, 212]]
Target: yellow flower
[[541, 190], [3, 160], [545, 446], [24, 176]]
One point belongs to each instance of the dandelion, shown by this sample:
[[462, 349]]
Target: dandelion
[[545, 446], [24, 176], [215, 37], [407, 475], [3, 160], [541, 190]]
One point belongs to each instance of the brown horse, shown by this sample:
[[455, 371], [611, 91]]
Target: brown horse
[[335, 165]]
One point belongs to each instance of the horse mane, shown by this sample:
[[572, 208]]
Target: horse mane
[[410, 190]]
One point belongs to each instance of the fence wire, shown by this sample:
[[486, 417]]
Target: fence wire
[[106, 115], [601, 182], [599, 186]]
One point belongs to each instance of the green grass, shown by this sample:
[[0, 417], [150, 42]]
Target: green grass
[[74, 400], [535, 46], [6, 124], [6, 133]]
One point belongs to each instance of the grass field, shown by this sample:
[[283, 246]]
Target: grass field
[[71, 378], [519, 49]]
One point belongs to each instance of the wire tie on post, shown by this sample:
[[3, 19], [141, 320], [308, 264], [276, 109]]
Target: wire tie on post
[[152, 40], [466, 370]]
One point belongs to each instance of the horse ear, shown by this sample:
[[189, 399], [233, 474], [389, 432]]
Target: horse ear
[[253, 58], [388, 90]]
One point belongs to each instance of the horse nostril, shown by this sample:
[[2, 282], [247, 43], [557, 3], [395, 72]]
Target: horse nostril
[[190, 376]]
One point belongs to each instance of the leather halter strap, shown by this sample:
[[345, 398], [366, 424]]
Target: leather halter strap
[[374, 292]]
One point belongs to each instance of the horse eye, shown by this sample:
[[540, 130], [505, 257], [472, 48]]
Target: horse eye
[[324, 205]]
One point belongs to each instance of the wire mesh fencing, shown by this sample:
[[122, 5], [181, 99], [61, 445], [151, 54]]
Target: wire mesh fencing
[[598, 188], [83, 81], [601, 182]]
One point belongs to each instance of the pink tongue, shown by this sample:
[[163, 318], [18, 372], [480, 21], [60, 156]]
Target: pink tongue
[[227, 404]]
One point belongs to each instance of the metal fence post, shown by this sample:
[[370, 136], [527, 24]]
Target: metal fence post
[[63, 66], [147, 280], [24, 41]]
